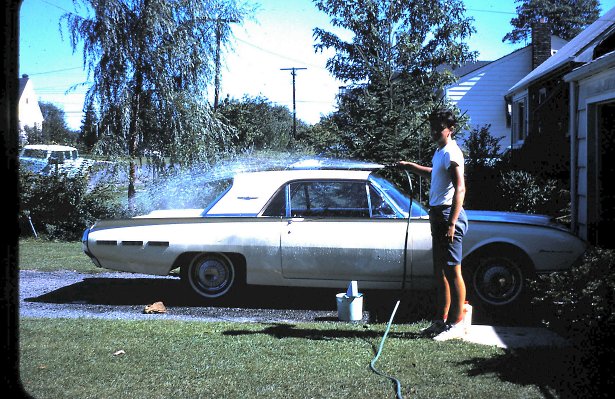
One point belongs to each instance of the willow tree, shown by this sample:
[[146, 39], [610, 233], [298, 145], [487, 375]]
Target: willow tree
[[395, 58], [150, 63]]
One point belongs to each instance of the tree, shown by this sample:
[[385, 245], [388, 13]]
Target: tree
[[393, 69], [89, 127], [151, 62], [567, 18], [54, 128], [260, 125]]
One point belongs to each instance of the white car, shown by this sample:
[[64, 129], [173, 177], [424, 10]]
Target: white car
[[47, 158], [323, 225]]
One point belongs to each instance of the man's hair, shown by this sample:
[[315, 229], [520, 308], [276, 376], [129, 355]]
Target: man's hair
[[444, 117]]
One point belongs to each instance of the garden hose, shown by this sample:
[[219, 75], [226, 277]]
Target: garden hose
[[375, 359], [403, 287]]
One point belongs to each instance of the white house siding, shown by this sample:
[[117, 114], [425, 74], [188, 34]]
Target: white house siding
[[480, 94], [592, 85], [30, 114]]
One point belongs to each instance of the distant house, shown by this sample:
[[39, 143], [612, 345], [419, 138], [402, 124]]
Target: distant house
[[481, 89], [30, 114], [570, 98]]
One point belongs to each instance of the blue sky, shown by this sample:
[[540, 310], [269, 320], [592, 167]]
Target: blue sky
[[281, 37]]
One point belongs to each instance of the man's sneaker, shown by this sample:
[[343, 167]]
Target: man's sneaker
[[434, 329], [451, 331]]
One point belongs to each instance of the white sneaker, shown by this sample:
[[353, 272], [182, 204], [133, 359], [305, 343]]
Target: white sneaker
[[451, 331]]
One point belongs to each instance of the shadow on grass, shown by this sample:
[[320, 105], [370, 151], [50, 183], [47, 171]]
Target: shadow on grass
[[559, 372]]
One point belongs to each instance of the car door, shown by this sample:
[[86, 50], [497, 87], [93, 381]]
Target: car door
[[338, 230]]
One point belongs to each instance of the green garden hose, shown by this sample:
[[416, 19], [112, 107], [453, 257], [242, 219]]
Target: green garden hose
[[373, 362]]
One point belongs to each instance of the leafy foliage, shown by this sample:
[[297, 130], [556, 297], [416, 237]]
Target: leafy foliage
[[522, 192], [89, 127], [61, 207], [567, 18], [393, 68], [151, 62], [511, 189], [260, 125], [53, 129], [580, 304]]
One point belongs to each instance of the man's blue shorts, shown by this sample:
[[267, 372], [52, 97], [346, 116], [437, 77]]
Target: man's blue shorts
[[445, 252]]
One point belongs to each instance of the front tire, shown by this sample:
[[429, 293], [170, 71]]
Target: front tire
[[497, 279], [210, 275]]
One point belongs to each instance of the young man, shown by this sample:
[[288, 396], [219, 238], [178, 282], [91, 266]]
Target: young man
[[448, 223]]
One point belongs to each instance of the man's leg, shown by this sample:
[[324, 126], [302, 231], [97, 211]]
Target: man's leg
[[444, 294], [457, 292]]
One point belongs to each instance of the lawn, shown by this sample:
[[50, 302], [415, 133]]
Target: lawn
[[79, 358], [162, 358]]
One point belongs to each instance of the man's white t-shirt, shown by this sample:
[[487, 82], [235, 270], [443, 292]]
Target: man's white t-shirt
[[442, 190]]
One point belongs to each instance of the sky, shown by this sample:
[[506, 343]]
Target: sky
[[279, 38]]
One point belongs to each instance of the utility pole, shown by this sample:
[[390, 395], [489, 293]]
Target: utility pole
[[294, 74], [219, 22]]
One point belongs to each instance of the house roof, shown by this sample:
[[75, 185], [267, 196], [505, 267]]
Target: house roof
[[465, 68], [579, 49], [22, 84]]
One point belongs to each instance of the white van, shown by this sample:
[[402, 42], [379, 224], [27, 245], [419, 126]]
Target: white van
[[44, 159]]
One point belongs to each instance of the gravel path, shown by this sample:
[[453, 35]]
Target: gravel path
[[124, 296], [119, 295]]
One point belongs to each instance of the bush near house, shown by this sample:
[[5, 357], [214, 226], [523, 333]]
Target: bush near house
[[511, 187], [579, 304]]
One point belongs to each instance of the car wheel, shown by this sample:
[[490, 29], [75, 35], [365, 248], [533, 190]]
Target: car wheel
[[210, 275], [496, 279]]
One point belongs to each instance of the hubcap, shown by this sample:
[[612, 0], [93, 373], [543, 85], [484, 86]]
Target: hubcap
[[498, 283]]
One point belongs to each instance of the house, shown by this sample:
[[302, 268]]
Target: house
[[592, 138], [480, 91], [569, 100], [30, 114]]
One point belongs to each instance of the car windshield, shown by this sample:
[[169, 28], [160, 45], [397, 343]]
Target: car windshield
[[400, 199], [34, 153]]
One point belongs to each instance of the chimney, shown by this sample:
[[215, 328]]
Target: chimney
[[541, 42]]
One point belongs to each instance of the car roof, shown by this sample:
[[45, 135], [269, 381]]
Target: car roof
[[49, 147], [251, 191]]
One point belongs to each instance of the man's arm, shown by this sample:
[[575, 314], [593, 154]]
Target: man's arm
[[424, 171], [458, 197]]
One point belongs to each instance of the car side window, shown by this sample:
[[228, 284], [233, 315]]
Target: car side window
[[328, 199], [379, 207], [277, 205]]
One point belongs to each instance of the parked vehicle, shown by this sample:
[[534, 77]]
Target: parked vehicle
[[46, 159], [323, 225]]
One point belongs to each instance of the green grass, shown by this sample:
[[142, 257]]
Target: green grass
[[45, 255], [74, 358]]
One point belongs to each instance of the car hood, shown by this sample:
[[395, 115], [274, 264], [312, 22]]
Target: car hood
[[514, 217]]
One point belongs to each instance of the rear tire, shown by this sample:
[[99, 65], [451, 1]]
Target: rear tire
[[210, 275]]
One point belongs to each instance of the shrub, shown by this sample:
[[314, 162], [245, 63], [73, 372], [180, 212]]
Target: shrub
[[579, 305], [522, 192], [580, 300], [61, 207]]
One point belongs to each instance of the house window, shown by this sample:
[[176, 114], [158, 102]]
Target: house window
[[520, 120], [542, 95]]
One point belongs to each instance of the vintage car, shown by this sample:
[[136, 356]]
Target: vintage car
[[322, 224]]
